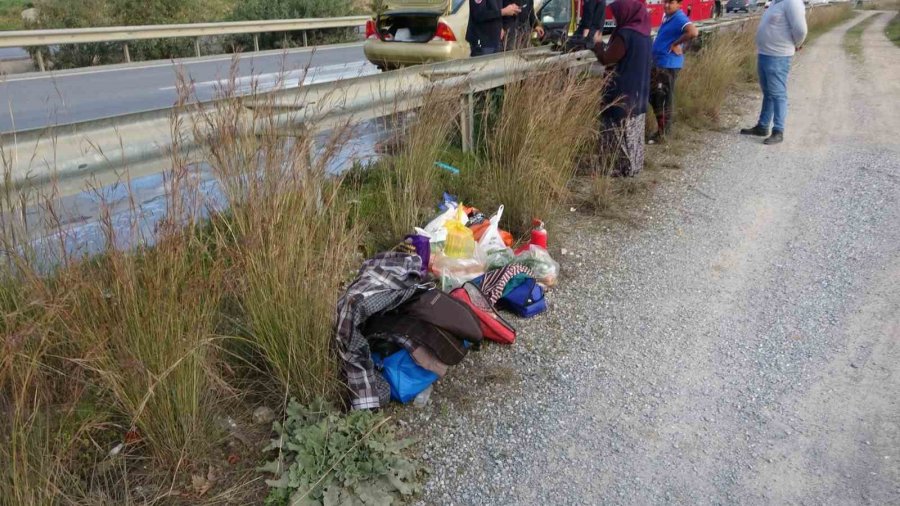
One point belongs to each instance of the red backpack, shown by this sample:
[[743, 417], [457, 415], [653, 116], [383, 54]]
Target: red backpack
[[493, 326]]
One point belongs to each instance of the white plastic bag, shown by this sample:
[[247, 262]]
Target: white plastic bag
[[491, 250], [436, 228]]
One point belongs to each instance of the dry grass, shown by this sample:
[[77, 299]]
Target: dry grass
[[532, 145], [709, 75], [288, 240], [409, 180]]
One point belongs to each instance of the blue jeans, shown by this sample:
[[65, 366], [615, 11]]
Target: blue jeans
[[773, 76]]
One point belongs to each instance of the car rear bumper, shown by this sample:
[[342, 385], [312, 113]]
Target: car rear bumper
[[410, 53]]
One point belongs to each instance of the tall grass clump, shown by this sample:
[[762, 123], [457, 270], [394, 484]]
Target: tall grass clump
[[409, 180], [530, 147], [288, 239], [42, 427], [147, 320], [709, 75]]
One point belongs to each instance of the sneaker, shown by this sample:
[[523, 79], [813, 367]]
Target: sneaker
[[776, 138], [758, 131], [656, 138]]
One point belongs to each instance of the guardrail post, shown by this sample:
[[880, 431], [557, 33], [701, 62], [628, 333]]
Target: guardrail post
[[40, 60], [256, 42], [197, 46], [127, 54], [305, 41], [467, 122]]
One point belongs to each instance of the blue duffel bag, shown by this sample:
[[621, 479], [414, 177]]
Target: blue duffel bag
[[406, 378]]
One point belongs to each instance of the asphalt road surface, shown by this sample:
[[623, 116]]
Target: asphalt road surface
[[37, 100], [737, 344]]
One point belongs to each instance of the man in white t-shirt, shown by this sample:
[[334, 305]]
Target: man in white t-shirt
[[781, 33]]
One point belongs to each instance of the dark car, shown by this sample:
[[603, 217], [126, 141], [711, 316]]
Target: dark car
[[738, 6]]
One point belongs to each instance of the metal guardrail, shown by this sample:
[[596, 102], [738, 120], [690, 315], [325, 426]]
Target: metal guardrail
[[97, 148], [69, 154], [33, 38]]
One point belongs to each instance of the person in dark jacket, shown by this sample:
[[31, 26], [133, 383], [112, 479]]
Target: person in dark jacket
[[486, 25], [625, 101], [593, 18], [517, 29]]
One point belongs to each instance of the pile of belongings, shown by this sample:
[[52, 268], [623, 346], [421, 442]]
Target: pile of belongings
[[413, 313]]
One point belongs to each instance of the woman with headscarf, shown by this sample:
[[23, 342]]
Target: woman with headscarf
[[627, 55]]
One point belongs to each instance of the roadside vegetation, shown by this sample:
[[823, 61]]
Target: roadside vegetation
[[881, 5], [97, 13], [133, 375], [154, 374], [893, 30], [11, 13]]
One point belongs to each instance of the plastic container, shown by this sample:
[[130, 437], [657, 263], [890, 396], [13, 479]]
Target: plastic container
[[538, 237], [539, 234], [460, 240]]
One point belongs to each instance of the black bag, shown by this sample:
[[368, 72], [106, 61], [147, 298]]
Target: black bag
[[445, 346], [445, 312]]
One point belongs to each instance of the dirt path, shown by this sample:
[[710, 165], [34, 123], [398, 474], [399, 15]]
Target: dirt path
[[741, 345]]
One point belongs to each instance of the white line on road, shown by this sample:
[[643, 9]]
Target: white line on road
[[175, 63], [288, 79]]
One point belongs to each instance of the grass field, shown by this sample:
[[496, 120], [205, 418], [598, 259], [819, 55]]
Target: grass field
[[10, 13]]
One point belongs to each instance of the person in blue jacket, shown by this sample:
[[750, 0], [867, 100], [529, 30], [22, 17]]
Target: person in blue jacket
[[485, 30], [668, 59]]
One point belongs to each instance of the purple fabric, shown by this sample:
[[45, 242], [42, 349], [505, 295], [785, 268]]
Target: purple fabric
[[631, 15]]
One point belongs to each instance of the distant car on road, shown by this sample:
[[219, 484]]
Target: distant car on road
[[739, 6]]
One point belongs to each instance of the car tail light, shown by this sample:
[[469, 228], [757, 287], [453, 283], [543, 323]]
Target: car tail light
[[370, 29], [444, 33]]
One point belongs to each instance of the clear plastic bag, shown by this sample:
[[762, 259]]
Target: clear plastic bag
[[454, 272], [542, 265]]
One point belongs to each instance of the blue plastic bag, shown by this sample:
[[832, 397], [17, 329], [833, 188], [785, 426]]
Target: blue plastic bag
[[406, 378]]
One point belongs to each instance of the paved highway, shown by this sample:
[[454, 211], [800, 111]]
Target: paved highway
[[55, 98]]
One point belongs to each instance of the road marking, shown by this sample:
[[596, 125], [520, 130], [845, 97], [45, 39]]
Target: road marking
[[182, 62], [287, 79]]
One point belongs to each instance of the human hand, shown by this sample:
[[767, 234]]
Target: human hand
[[510, 10], [539, 30], [598, 37], [677, 49]]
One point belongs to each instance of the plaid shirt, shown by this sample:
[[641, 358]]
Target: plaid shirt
[[384, 282]]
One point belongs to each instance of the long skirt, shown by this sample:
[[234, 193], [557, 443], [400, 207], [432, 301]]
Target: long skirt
[[622, 144]]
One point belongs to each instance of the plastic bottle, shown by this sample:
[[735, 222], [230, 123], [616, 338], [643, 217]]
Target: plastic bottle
[[424, 397], [538, 237], [539, 234]]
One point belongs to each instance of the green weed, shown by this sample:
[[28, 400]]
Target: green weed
[[326, 458]]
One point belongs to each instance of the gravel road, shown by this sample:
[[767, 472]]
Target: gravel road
[[737, 343]]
